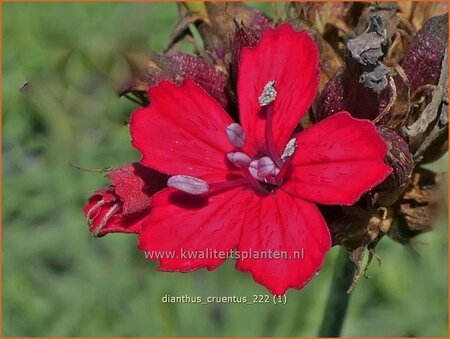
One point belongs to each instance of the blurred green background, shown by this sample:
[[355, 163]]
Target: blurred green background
[[58, 280]]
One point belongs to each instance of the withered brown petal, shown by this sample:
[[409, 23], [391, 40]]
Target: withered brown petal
[[417, 207]]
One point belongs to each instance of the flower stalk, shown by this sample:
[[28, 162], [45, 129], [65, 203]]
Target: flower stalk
[[338, 297]]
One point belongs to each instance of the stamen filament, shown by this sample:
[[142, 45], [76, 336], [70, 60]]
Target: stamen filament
[[228, 184], [270, 141], [255, 183], [280, 175]]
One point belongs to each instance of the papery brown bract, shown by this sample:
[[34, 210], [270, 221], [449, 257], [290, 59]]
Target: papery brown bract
[[361, 86], [418, 12], [223, 18], [418, 206]]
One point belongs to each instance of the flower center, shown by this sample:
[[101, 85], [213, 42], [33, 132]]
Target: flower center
[[265, 174]]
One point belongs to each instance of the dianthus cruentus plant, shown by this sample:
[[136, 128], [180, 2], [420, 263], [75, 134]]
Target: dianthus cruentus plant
[[281, 137]]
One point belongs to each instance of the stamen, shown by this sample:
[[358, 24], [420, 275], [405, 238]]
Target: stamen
[[266, 99], [106, 218], [266, 167], [239, 159], [270, 141], [289, 150], [268, 95], [188, 184], [261, 167], [253, 170], [236, 135]]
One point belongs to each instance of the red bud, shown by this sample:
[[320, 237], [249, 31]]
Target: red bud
[[123, 206]]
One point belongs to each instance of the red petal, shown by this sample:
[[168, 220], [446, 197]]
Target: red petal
[[291, 227], [292, 60], [246, 36], [124, 205], [181, 223], [135, 184], [182, 131], [337, 160]]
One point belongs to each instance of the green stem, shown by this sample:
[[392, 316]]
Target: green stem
[[338, 298]]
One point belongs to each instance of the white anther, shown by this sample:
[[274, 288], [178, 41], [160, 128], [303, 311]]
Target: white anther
[[268, 94], [266, 167], [289, 149], [236, 135], [188, 184], [253, 170], [239, 159]]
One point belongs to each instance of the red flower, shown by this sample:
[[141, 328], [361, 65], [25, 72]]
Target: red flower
[[250, 187], [123, 206]]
